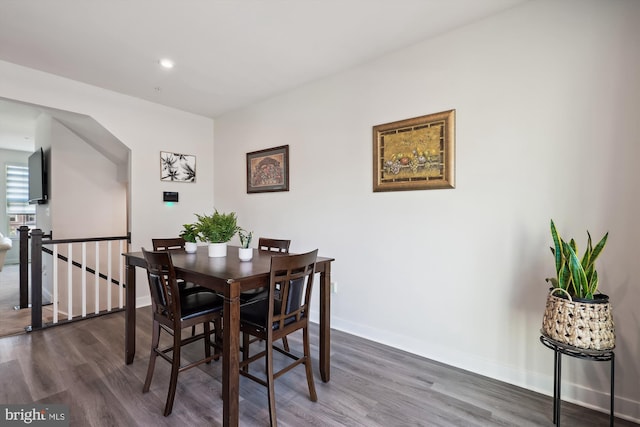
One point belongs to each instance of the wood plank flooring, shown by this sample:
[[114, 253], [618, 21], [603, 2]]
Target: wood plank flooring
[[82, 365], [14, 321]]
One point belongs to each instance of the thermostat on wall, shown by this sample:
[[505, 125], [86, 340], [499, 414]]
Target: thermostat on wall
[[169, 196]]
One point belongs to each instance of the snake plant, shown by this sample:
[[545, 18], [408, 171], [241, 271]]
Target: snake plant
[[245, 237], [578, 277]]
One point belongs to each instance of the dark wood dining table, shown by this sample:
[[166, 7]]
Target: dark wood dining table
[[228, 276]]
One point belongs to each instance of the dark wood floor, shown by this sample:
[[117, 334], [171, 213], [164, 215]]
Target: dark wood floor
[[81, 365], [14, 321]]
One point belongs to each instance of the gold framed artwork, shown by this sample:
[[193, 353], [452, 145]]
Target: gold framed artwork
[[415, 154], [268, 170], [177, 167]]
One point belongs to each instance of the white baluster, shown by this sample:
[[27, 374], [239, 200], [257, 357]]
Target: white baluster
[[97, 279], [84, 279], [55, 284], [109, 275], [121, 275], [70, 281]]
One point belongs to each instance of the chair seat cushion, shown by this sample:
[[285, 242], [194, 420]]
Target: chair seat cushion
[[189, 287], [255, 312], [196, 303], [254, 294]]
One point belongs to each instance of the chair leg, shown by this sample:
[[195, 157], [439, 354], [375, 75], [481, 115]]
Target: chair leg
[[271, 392], [217, 338], [155, 340], [175, 369], [207, 340], [307, 364], [285, 344], [245, 349]]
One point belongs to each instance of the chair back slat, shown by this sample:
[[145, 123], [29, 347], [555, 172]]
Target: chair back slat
[[170, 244], [274, 245], [293, 276], [163, 286]]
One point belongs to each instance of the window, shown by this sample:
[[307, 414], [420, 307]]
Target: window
[[19, 211]]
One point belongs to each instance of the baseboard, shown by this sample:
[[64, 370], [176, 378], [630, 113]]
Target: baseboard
[[143, 301]]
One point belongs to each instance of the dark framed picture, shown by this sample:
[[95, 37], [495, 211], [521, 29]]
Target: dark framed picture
[[268, 170], [415, 154], [177, 167]]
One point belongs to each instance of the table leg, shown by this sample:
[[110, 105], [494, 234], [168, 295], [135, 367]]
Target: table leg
[[230, 355], [325, 323], [130, 316]]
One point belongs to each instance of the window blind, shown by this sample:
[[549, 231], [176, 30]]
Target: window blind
[[18, 190]]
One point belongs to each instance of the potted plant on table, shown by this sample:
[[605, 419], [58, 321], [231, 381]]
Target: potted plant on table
[[576, 314], [245, 253], [190, 235], [217, 229]]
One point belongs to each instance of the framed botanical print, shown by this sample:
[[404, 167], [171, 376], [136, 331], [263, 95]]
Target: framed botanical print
[[177, 167]]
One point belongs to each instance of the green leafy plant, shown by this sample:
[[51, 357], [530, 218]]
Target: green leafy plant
[[245, 237], [218, 227], [576, 276], [189, 233]]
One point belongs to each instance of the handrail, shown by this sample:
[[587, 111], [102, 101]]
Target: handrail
[[87, 239]]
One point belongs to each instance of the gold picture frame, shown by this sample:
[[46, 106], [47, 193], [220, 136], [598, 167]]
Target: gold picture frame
[[268, 170], [415, 154]]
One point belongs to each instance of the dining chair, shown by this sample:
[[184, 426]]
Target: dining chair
[[172, 312], [276, 317], [266, 244], [177, 244], [279, 246]]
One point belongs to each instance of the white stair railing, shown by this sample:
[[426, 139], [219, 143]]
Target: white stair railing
[[66, 292]]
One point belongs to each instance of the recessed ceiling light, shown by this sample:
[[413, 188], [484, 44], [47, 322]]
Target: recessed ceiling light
[[166, 63]]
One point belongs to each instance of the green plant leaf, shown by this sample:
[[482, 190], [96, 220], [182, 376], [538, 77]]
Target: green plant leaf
[[578, 275], [558, 248], [217, 228], [586, 258], [564, 278], [599, 247], [593, 285]]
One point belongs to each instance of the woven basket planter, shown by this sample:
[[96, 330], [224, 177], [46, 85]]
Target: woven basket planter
[[584, 324]]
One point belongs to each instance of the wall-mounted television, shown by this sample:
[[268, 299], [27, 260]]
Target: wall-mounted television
[[38, 183]]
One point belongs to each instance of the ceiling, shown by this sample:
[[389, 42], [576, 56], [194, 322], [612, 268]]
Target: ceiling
[[228, 53]]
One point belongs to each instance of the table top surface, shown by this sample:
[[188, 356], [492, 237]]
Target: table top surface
[[229, 268]]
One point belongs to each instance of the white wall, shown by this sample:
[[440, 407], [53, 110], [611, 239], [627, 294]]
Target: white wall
[[146, 128], [77, 168], [547, 98]]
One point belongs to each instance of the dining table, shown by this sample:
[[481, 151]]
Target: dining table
[[229, 276]]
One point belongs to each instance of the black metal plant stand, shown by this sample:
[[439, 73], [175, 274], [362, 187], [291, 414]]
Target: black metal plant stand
[[558, 350]]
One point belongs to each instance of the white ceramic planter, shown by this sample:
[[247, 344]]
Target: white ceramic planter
[[217, 250], [190, 247], [245, 254]]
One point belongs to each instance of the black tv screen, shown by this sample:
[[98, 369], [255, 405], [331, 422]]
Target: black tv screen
[[37, 178]]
